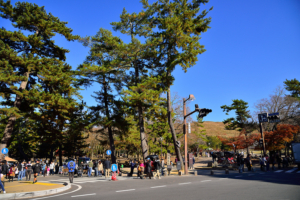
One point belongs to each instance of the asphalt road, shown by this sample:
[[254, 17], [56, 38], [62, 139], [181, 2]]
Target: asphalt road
[[276, 185]]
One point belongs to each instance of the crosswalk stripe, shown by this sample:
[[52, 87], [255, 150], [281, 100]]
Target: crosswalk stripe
[[290, 171], [279, 171]]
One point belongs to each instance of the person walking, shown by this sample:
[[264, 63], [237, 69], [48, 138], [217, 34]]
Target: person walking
[[21, 169], [157, 167], [36, 170], [2, 180], [48, 170], [162, 167], [148, 168], [96, 168], [43, 169], [278, 159], [107, 166], [4, 168], [100, 168], [25, 169], [71, 166], [90, 169], [132, 167], [28, 171], [52, 168], [12, 174]]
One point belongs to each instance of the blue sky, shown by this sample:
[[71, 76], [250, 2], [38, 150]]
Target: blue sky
[[251, 48]]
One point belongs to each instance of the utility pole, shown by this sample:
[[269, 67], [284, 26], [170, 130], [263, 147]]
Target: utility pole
[[202, 113], [185, 137], [263, 138]]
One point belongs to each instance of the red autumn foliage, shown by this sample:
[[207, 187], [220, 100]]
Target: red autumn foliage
[[276, 140], [241, 141]]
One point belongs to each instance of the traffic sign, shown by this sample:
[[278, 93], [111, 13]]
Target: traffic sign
[[4, 151], [178, 144], [114, 167], [108, 152], [272, 114], [189, 127], [263, 117]]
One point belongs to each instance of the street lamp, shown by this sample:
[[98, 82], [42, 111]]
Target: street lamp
[[202, 113]]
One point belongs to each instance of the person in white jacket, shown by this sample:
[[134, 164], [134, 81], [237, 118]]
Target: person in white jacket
[[52, 168]]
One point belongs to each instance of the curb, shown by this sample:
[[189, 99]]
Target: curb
[[34, 194]]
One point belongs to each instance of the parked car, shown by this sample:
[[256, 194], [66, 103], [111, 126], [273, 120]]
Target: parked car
[[152, 157]]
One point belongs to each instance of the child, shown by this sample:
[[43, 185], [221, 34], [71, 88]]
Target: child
[[48, 171]]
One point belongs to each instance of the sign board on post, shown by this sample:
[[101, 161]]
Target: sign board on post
[[263, 117], [190, 155], [178, 144], [189, 127], [4, 151], [114, 167], [260, 141], [108, 152], [168, 158], [178, 164]]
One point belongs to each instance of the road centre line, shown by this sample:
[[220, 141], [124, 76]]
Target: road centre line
[[205, 180], [184, 183], [278, 171], [290, 171], [79, 188], [125, 190], [159, 186], [84, 195]]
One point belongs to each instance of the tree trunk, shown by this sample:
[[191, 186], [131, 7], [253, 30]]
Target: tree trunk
[[5, 141], [170, 121], [112, 146], [60, 155], [144, 143]]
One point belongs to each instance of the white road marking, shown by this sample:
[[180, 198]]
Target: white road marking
[[278, 171], [125, 190], [205, 180], [290, 171], [89, 181], [184, 183], [83, 195], [79, 188], [222, 178], [159, 186]]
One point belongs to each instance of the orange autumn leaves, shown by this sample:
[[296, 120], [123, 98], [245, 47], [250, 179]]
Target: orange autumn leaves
[[241, 141], [276, 140]]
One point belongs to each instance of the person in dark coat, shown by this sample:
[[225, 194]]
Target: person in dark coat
[[107, 166], [4, 168], [36, 170], [148, 168]]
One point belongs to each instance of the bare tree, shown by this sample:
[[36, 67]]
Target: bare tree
[[287, 106]]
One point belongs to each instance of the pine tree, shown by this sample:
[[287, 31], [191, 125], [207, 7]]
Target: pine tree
[[143, 88], [293, 86], [103, 66], [178, 26], [23, 56], [241, 121]]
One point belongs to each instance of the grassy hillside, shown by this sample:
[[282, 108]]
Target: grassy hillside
[[218, 129]]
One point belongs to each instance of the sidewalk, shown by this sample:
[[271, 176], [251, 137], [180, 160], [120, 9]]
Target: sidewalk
[[23, 189], [28, 186]]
